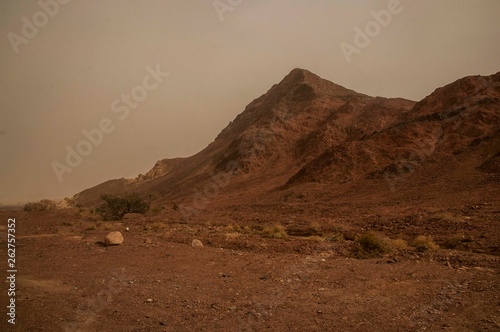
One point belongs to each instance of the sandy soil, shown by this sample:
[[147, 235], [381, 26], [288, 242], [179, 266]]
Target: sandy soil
[[68, 280]]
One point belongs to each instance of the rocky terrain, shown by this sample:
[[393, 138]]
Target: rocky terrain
[[317, 209], [308, 132]]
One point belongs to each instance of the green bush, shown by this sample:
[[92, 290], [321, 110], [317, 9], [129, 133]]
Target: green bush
[[115, 207]]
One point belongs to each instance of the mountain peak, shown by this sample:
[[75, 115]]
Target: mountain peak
[[299, 77]]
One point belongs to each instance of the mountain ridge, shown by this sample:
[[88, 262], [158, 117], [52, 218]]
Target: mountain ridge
[[306, 129]]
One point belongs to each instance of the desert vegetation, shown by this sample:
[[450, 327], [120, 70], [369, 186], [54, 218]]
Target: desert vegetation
[[370, 245], [115, 207], [424, 243], [275, 232], [43, 205]]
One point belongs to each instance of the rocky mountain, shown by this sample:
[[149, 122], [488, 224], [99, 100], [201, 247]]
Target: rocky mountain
[[308, 137], [449, 126]]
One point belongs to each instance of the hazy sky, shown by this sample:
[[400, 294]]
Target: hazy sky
[[70, 75]]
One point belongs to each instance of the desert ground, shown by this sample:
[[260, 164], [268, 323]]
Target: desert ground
[[306, 275], [318, 209]]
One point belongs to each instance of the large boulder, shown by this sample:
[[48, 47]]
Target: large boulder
[[113, 239]]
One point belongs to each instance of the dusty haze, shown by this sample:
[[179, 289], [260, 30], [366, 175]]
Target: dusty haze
[[66, 77]]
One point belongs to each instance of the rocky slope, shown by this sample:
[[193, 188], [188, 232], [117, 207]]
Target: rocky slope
[[307, 132]]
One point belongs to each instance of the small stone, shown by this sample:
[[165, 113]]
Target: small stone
[[148, 241], [127, 229], [232, 308], [196, 243], [149, 301], [113, 239]]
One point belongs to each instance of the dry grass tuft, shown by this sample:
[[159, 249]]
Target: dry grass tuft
[[458, 241], [92, 227], [424, 243], [105, 226], [157, 225], [399, 244], [235, 228], [275, 232], [446, 216], [370, 245], [316, 238]]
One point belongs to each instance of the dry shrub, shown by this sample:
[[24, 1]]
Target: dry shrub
[[399, 244], [458, 241], [337, 237], [43, 205], [370, 245], [316, 238], [316, 227], [235, 228], [156, 210], [101, 226], [275, 232], [158, 225], [107, 227], [312, 228], [424, 243], [92, 227], [446, 216], [350, 236]]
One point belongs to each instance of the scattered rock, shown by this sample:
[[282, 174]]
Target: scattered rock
[[64, 204], [113, 239], [196, 243], [148, 241], [149, 301]]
